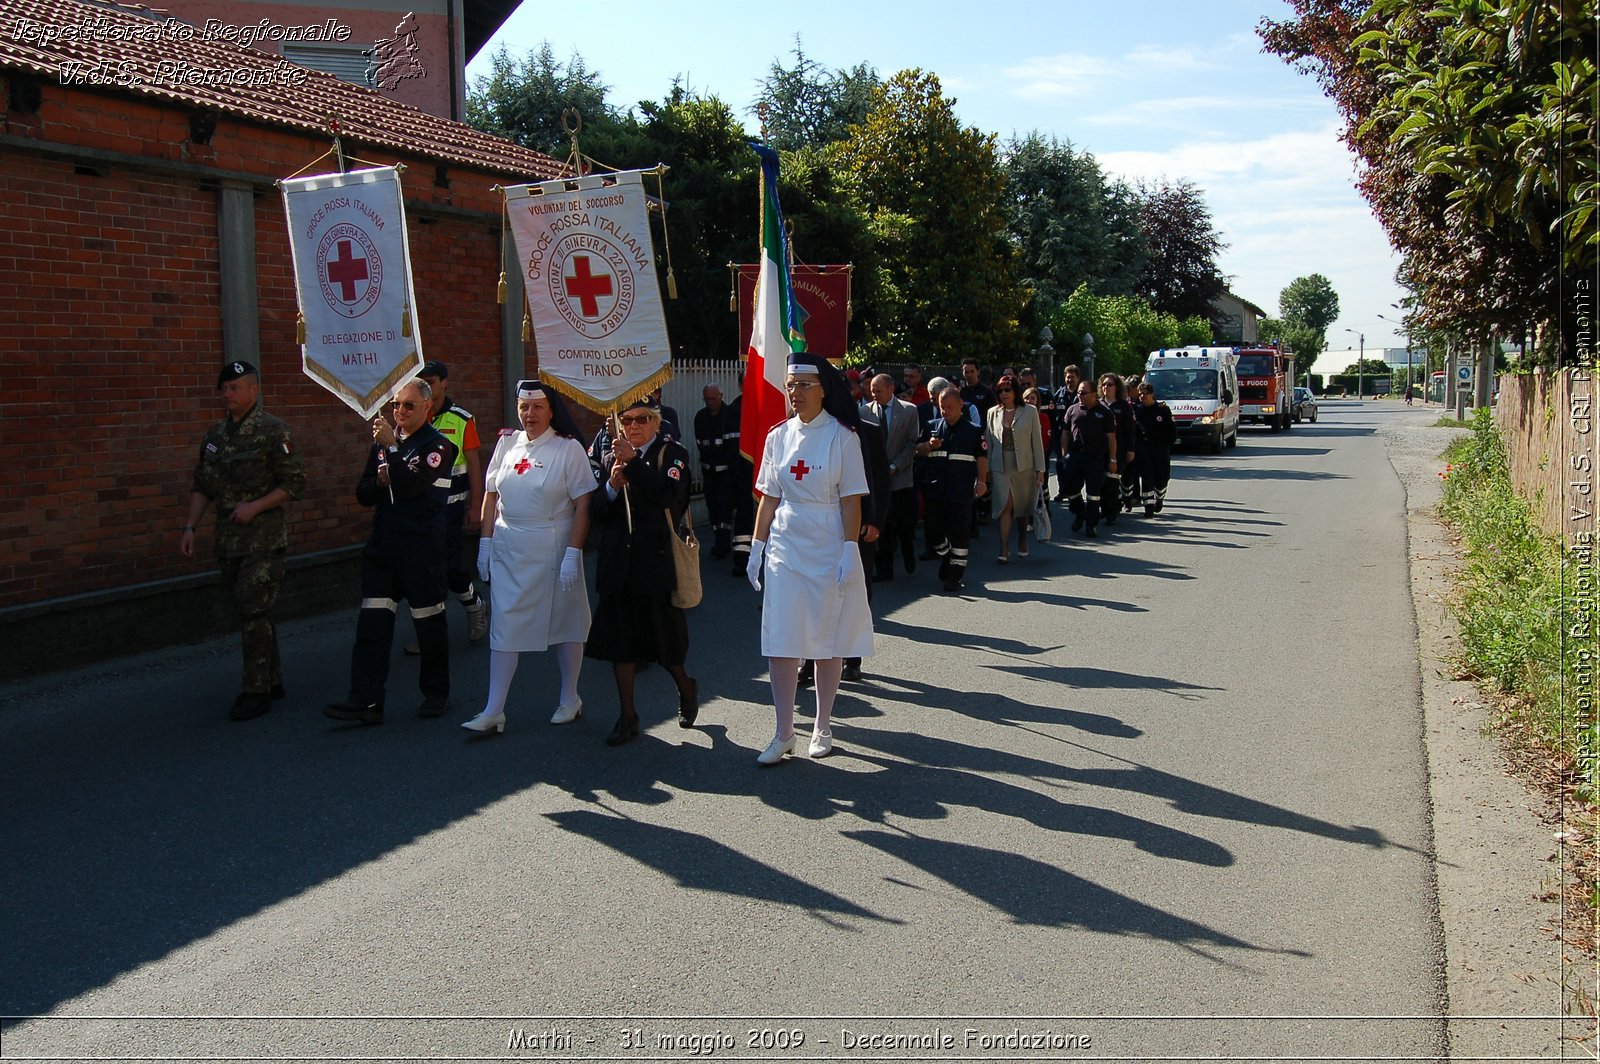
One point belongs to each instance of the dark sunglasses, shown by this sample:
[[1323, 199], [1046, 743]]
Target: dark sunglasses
[[399, 404], [635, 419]]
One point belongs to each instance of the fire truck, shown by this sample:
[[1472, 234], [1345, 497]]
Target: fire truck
[[1266, 386]]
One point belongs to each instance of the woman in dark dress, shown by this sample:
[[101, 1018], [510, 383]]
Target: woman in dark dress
[[635, 621]]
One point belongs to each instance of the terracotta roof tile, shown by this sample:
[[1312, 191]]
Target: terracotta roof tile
[[128, 48]]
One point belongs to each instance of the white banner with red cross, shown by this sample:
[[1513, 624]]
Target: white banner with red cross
[[352, 272], [589, 269]]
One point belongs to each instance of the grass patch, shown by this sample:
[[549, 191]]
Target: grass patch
[[1517, 590], [1448, 422], [1525, 607]]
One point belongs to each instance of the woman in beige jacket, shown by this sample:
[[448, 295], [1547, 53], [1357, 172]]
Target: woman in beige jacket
[[1016, 459]]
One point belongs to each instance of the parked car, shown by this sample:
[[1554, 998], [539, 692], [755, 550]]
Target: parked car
[[1305, 405]]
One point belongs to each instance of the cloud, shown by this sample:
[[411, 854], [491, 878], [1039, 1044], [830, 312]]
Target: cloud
[[1181, 112], [1153, 61], [1053, 77]]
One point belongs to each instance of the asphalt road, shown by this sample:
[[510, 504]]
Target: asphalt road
[[1161, 794]]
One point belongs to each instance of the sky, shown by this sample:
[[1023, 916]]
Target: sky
[[1155, 89]]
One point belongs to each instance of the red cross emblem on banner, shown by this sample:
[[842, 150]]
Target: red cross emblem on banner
[[800, 469], [586, 287], [522, 467], [345, 271]]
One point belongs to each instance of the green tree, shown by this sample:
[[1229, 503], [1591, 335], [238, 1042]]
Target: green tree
[[1069, 224], [1180, 273], [932, 191], [524, 100], [1125, 329], [710, 198], [1308, 305], [807, 105], [1475, 123], [1304, 341]]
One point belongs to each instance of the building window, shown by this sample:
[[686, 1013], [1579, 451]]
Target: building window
[[346, 64]]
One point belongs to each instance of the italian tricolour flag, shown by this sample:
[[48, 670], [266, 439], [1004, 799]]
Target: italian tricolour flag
[[774, 330]]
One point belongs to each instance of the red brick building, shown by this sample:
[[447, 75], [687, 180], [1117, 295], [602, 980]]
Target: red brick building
[[142, 244]]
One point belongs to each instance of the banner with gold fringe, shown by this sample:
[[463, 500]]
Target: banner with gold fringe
[[352, 269], [589, 270]]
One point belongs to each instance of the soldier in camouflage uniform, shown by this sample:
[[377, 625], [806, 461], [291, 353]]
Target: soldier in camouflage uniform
[[249, 468]]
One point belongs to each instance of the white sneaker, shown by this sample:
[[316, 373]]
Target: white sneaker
[[485, 722], [567, 714], [776, 751], [821, 743]]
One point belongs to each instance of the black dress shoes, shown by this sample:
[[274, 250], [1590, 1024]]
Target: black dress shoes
[[351, 711], [852, 671], [249, 706], [808, 674], [689, 704], [433, 706], [626, 728]]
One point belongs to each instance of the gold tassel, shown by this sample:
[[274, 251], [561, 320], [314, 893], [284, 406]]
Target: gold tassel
[[405, 321], [849, 310], [500, 296], [733, 302], [527, 327], [672, 284], [300, 330]]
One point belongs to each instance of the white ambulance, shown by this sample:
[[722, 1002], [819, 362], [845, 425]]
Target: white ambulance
[[1201, 385]]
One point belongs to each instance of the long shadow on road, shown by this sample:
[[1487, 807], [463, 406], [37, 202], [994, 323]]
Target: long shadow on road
[[1033, 892]]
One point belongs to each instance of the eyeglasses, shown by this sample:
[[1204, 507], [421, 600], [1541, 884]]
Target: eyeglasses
[[799, 386], [404, 405], [636, 419]]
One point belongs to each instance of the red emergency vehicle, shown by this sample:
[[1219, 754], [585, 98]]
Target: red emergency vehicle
[[1266, 386]]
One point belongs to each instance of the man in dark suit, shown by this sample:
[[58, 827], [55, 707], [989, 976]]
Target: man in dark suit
[[901, 429]]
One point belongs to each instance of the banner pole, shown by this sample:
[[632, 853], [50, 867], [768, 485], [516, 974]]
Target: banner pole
[[616, 427]]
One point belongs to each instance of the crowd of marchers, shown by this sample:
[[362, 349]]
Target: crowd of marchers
[[834, 502]]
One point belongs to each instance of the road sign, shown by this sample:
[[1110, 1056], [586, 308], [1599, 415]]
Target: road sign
[[1464, 374]]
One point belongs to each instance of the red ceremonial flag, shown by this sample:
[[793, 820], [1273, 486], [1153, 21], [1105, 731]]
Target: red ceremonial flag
[[773, 334]]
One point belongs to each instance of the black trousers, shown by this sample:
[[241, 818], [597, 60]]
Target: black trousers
[[390, 572], [458, 570], [1083, 481], [744, 507], [718, 485], [901, 533], [949, 525], [1155, 471]]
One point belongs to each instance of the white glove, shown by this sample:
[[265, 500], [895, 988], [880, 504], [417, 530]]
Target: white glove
[[485, 552], [571, 569], [758, 551], [849, 561]]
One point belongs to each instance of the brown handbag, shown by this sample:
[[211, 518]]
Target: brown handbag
[[686, 590]]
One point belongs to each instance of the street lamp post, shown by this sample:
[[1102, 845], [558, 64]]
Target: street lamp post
[[1361, 359], [1088, 356]]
